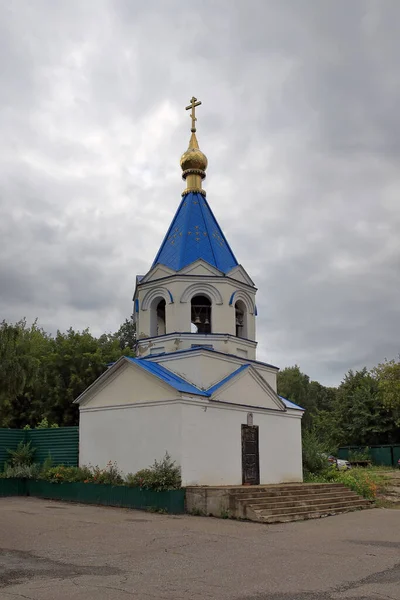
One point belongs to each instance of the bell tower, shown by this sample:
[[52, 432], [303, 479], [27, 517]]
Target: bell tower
[[195, 293]]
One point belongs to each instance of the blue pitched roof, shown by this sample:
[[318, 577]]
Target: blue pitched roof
[[193, 234], [289, 404], [167, 376], [215, 387]]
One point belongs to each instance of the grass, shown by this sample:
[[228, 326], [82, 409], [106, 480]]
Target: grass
[[368, 482]]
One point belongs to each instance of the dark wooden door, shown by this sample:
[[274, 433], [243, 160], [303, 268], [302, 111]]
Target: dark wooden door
[[250, 455]]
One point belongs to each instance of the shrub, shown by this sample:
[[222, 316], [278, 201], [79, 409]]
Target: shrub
[[44, 424], [22, 471], [23, 455], [48, 463], [358, 455], [110, 475], [314, 457], [364, 482], [62, 473], [162, 475]]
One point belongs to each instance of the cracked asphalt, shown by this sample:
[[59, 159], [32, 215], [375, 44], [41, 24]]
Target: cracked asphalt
[[58, 551]]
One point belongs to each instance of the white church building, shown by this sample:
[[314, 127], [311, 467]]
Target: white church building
[[195, 389]]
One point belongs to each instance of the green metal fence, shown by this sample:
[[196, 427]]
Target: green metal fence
[[9, 440], [61, 442], [13, 487], [385, 455], [171, 501]]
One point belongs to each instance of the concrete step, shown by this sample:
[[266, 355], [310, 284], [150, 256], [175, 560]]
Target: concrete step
[[303, 502], [344, 493], [307, 514], [285, 487], [288, 490], [299, 509]]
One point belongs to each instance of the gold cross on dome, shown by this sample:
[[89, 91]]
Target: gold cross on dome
[[193, 103]]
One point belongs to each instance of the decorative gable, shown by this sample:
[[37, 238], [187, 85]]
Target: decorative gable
[[249, 388], [157, 272], [200, 267], [126, 384], [241, 275]]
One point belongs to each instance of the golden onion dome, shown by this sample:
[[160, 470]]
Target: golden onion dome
[[193, 161], [193, 158]]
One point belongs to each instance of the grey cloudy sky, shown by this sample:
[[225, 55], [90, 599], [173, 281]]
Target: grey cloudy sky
[[300, 123]]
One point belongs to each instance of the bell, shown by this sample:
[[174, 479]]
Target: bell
[[197, 320], [207, 321], [239, 323]]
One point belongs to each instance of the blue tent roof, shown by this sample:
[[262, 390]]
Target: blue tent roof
[[193, 234], [167, 376]]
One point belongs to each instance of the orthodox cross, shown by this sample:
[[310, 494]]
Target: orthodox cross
[[193, 103]]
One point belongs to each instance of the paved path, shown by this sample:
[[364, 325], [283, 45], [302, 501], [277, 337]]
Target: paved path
[[58, 551]]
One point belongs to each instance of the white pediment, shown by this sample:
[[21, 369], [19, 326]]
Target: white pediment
[[200, 267], [157, 272], [125, 383], [201, 369], [250, 389], [240, 274]]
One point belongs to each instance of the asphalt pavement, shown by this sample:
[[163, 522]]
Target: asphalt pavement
[[59, 551]]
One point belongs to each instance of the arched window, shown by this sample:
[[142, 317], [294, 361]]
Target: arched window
[[157, 317], [241, 319], [201, 314]]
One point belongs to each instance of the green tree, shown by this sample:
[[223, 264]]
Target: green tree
[[387, 374], [295, 386], [361, 416], [126, 335], [40, 375]]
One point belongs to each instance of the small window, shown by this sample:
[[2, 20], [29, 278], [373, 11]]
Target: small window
[[200, 315]]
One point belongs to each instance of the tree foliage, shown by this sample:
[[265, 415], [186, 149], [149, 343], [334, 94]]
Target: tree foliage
[[41, 375], [364, 410]]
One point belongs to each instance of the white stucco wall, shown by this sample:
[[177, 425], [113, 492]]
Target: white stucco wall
[[212, 450], [133, 437], [203, 438]]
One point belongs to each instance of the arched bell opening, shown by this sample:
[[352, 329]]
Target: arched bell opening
[[158, 325], [241, 319], [200, 314]]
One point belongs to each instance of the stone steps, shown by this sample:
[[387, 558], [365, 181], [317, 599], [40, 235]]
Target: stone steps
[[322, 507], [345, 493], [274, 492], [301, 503], [273, 504], [265, 517]]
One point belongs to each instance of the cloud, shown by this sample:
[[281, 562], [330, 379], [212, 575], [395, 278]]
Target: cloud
[[299, 122]]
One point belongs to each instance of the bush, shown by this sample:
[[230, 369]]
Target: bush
[[22, 471], [62, 474], [23, 455], [358, 455], [162, 475], [363, 481], [110, 475], [314, 456]]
